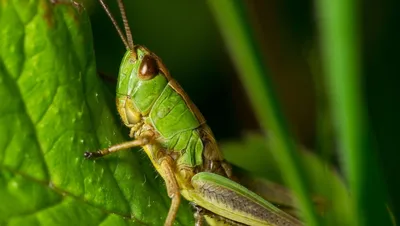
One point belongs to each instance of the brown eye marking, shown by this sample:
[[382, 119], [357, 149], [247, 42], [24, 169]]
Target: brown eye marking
[[148, 68]]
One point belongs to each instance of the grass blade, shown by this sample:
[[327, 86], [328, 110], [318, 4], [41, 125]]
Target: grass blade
[[240, 43], [341, 46]]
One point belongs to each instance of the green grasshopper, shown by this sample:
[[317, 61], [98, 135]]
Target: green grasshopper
[[174, 134]]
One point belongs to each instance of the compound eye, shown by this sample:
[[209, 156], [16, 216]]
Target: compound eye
[[148, 68]]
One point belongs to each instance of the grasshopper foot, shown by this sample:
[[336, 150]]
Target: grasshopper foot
[[92, 155]]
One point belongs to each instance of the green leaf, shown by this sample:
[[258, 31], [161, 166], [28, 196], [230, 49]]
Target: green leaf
[[53, 108]]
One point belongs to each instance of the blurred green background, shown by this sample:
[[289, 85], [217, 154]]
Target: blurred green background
[[301, 93], [287, 34]]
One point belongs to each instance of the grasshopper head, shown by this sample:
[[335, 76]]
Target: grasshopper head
[[141, 79]]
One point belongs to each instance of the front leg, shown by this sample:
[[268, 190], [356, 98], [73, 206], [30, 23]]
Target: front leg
[[117, 147], [166, 164]]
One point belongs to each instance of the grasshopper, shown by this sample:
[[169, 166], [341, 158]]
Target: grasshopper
[[174, 134]]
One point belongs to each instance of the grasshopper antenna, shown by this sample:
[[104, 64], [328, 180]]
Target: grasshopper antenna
[[129, 45], [126, 24]]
